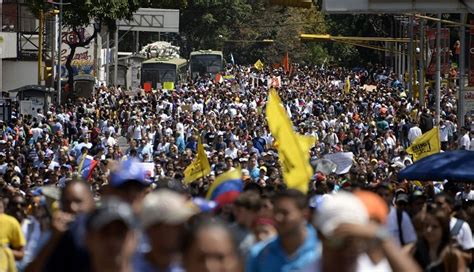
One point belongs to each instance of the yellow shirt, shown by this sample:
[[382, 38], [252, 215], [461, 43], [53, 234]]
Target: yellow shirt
[[7, 261], [10, 232]]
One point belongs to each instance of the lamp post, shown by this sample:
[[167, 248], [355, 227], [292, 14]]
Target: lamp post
[[59, 41]]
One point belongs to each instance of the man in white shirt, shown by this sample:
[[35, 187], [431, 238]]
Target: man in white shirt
[[398, 222], [414, 133], [465, 140], [443, 135], [467, 194]]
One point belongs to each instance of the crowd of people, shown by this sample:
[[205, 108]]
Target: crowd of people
[[118, 214]]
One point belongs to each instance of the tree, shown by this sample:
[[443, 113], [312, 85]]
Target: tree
[[79, 13]]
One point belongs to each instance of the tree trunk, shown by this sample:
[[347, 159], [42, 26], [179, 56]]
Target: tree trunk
[[70, 72]]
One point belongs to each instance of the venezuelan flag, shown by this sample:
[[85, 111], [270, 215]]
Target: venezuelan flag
[[86, 167], [226, 187]]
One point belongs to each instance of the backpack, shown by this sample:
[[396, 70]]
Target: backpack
[[457, 227]]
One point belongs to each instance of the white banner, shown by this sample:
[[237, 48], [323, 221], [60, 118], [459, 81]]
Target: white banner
[[343, 160], [149, 169]]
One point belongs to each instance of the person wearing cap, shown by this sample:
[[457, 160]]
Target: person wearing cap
[[294, 247], [129, 182], [398, 221], [344, 228], [111, 237], [162, 220]]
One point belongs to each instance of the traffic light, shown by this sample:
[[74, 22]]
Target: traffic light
[[293, 3], [47, 72]]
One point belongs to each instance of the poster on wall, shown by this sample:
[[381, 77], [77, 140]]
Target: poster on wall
[[471, 55], [445, 56], [83, 60]]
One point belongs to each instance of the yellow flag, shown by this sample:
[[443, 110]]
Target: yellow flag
[[168, 85], [347, 87], [425, 145], [199, 167], [293, 149], [258, 65]]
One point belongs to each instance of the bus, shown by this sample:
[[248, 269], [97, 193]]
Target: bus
[[160, 70], [206, 62]]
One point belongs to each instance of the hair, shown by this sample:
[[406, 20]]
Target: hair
[[421, 254], [249, 200], [73, 182], [204, 221], [298, 197], [172, 184], [449, 199]]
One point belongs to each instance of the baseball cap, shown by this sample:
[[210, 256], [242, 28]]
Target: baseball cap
[[110, 210], [245, 174], [376, 207], [165, 206], [342, 208], [129, 170]]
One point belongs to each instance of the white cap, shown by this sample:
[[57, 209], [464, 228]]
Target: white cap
[[165, 206], [342, 208]]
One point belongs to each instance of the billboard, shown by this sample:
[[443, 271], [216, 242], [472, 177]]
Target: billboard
[[83, 60], [468, 101], [397, 6], [471, 56], [431, 58]]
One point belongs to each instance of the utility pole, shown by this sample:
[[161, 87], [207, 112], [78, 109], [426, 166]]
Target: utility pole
[[438, 68], [411, 67], [107, 59], [40, 46], [116, 38], [462, 70], [421, 80], [60, 41]]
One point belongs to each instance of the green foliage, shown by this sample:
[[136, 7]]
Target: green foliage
[[361, 25]]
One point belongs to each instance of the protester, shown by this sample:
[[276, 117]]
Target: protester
[[208, 245], [347, 237], [162, 218], [11, 236], [111, 236], [294, 247], [435, 250], [126, 144]]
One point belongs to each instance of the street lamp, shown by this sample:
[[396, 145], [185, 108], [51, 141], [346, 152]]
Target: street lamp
[[59, 33]]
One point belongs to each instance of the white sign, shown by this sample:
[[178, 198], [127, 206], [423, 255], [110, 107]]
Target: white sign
[[152, 20], [8, 45], [343, 160], [469, 101], [149, 169], [26, 108]]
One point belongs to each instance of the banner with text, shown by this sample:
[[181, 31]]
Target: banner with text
[[83, 60], [431, 38], [471, 56]]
